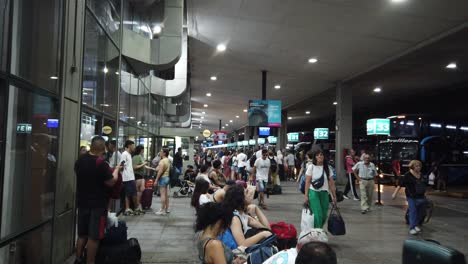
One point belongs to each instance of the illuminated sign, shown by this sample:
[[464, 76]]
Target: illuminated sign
[[23, 128], [378, 126], [321, 133]]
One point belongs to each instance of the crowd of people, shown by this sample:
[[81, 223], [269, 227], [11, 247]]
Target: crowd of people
[[226, 185]]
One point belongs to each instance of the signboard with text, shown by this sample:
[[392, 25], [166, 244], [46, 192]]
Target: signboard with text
[[264, 113], [293, 137], [378, 126], [321, 133], [23, 128]]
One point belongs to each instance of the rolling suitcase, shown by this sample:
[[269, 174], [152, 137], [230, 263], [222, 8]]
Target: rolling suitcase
[[430, 252], [146, 198]]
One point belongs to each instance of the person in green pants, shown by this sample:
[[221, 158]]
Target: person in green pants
[[319, 182]]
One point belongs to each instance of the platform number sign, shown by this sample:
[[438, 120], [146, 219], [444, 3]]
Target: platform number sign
[[293, 137], [378, 126], [321, 133], [23, 128]]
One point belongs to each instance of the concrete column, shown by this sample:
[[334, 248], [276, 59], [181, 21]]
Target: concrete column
[[255, 136], [190, 151], [282, 140], [236, 136], [246, 133], [344, 128]]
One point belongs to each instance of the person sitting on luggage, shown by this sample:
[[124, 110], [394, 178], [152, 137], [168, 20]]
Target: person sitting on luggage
[[200, 194], [234, 200], [189, 174], [212, 220], [290, 256], [216, 176], [415, 195], [92, 199]]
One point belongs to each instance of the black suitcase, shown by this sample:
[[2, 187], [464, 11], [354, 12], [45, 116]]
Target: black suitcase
[[430, 252], [128, 252]]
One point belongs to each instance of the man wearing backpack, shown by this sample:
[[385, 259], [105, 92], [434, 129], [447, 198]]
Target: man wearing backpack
[[274, 168], [93, 179]]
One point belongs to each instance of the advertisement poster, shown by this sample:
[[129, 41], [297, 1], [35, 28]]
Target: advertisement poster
[[265, 113]]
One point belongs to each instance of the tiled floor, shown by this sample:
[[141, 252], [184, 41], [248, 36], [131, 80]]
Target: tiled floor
[[374, 238]]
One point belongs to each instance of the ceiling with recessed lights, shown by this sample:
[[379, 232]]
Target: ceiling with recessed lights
[[305, 45]]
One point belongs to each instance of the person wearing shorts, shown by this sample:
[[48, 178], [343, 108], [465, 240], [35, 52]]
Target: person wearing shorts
[[93, 178], [139, 169], [128, 179], [262, 173], [162, 181]]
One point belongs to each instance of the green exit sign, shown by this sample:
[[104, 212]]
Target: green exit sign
[[293, 137], [378, 126], [321, 133]]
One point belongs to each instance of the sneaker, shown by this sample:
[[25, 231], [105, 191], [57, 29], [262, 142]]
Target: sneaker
[[363, 212], [168, 211], [368, 210], [129, 212], [413, 232], [160, 212], [417, 229], [356, 199], [139, 211], [345, 196]]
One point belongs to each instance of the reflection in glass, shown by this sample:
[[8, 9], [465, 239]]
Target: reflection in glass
[[36, 42], [30, 167], [108, 14], [100, 69], [34, 247], [3, 33]]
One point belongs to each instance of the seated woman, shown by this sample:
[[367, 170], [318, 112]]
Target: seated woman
[[200, 194], [216, 176], [212, 220], [218, 195], [204, 175], [234, 200]]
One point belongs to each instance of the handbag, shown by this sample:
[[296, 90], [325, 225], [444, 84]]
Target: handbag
[[336, 224], [302, 184], [262, 251], [307, 221], [318, 183]]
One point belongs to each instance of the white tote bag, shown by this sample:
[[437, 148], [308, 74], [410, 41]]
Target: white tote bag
[[431, 178], [307, 221]]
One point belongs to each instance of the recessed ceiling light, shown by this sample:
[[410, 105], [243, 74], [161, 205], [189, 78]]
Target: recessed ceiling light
[[214, 78], [208, 94], [230, 121], [221, 47], [157, 29], [452, 65], [245, 110], [335, 103], [203, 113], [420, 118], [398, 1], [105, 70], [227, 125], [54, 77], [277, 86], [202, 117], [289, 117], [377, 90], [121, 112], [307, 112], [131, 117], [222, 127], [117, 73], [105, 105], [237, 116], [205, 105], [313, 60]]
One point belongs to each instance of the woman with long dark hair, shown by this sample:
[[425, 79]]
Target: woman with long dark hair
[[212, 220], [234, 201], [319, 183], [200, 194]]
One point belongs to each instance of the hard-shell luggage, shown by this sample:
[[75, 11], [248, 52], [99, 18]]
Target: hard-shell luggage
[[430, 252], [128, 252], [146, 198]]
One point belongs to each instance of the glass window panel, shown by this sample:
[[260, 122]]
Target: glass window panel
[[34, 247], [91, 125], [36, 42], [108, 14], [100, 69], [4, 18], [30, 168]]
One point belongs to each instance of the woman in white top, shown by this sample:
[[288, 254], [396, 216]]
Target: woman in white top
[[319, 183], [200, 194]]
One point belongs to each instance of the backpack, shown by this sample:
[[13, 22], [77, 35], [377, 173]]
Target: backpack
[[259, 253], [273, 164], [116, 190], [286, 233], [173, 175]]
